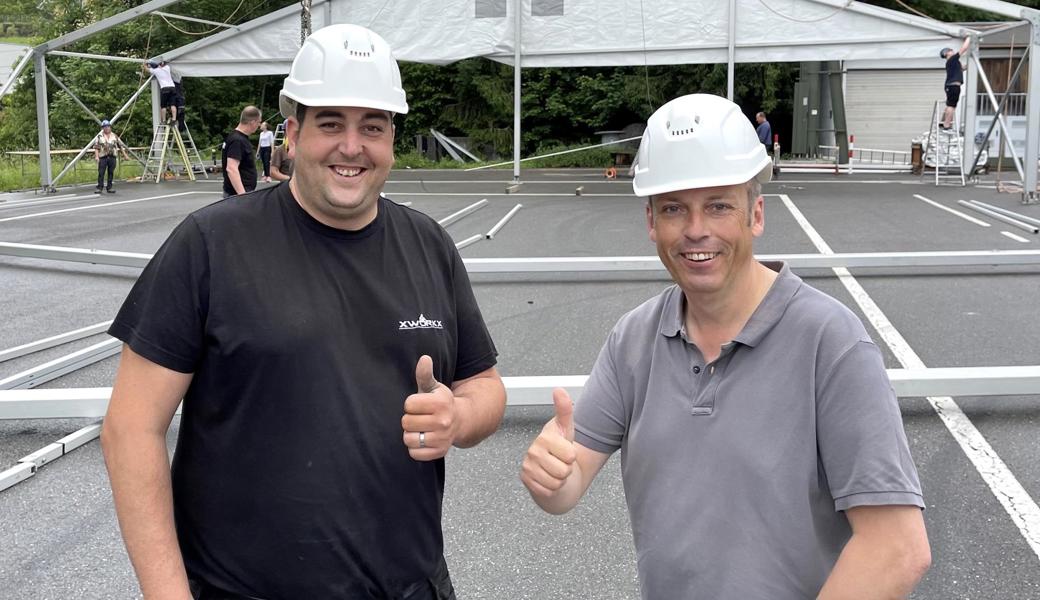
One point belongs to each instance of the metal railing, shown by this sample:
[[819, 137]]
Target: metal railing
[[1015, 107]]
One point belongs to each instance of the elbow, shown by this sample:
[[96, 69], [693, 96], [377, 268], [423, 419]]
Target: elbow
[[919, 562], [913, 562]]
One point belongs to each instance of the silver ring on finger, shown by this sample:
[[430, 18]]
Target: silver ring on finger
[[422, 439]]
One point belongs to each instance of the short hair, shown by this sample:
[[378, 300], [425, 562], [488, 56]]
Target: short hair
[[249, 114], [760, 114]]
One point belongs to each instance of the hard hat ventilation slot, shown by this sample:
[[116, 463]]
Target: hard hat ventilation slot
[[361, 53], [684, 127]]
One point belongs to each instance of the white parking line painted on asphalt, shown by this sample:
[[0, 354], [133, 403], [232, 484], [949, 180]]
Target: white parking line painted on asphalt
[[1001, 481], [65, 210], [964, 216], [1015, 237]]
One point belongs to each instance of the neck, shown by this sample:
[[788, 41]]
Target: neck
[[714, 319]]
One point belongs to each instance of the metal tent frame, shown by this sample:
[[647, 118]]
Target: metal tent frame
[[519, 59]]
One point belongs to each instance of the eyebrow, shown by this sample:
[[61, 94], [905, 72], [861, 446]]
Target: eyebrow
[[373, 114]]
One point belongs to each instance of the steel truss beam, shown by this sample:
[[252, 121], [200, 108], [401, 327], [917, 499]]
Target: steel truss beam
[[537, 391], [604, 263]]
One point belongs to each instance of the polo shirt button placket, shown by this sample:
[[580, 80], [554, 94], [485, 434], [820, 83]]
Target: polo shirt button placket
[[696, 369]]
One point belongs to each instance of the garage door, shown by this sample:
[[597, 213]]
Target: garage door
[[885, 109]]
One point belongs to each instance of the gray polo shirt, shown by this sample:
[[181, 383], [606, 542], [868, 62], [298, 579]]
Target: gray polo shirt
[[735, 472]]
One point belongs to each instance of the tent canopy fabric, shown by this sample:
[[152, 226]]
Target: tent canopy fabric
[[570, 33]]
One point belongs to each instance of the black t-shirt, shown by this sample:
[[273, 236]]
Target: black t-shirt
[[237, 145], [290, 478], [954, 73]]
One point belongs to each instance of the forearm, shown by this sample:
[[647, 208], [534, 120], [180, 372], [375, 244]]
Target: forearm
[[139, 470], [479, 405], [277, 174], [866, 572], [236, 179]]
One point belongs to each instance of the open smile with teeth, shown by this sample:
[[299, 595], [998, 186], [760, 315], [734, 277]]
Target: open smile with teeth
[[699, 256], [348, 171]]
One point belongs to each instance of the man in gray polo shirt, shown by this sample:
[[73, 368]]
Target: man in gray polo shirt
[[762, 450]]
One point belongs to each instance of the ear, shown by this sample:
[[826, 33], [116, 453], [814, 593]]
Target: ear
[[650, 220], [758, 217], [292, 134]]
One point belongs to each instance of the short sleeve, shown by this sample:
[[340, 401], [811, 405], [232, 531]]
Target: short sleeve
[[476, 350], [163, 317], [862, 445], [600, 418]]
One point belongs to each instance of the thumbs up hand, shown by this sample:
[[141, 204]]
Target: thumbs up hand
[[429, 422], [549, 461]]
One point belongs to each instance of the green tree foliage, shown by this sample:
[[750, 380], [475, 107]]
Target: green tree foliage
[[104, 86]]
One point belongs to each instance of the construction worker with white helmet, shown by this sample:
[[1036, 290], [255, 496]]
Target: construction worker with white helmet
[[329, 352], [762, 450]]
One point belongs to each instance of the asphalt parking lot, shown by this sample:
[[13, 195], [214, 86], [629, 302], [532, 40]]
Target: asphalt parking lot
[[58, 533]]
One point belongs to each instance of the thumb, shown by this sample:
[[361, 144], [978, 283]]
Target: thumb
[[564, 413], [424, 380]]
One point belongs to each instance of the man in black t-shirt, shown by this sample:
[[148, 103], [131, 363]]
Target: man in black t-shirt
[[236, 154], [954, 80], [325, 371]]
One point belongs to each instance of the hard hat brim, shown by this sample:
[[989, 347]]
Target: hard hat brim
[[763, 174]]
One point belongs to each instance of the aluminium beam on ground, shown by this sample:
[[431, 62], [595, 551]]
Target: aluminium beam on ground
[[48, 454], [98, 257], [1003, 218], [473, 239], [455, 216], [41, 374], [502, 222], [65, 403], [54, 340], [1010, 213], [955, 258]]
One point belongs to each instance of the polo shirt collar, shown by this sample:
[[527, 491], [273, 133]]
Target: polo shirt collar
[[762, 320]]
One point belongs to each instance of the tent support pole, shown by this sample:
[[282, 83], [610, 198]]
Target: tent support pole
[[43, 118], [1029, 193], [517, 16], [731, 56]]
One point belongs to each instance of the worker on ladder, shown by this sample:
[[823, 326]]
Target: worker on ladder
[[167, 90], [954, 80]]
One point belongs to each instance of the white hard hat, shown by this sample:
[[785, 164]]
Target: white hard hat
[[698, 141], [343, 65]]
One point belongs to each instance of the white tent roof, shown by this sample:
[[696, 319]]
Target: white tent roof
[[582, 33]]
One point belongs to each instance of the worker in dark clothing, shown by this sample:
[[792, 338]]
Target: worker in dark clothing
[[954, 80]]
